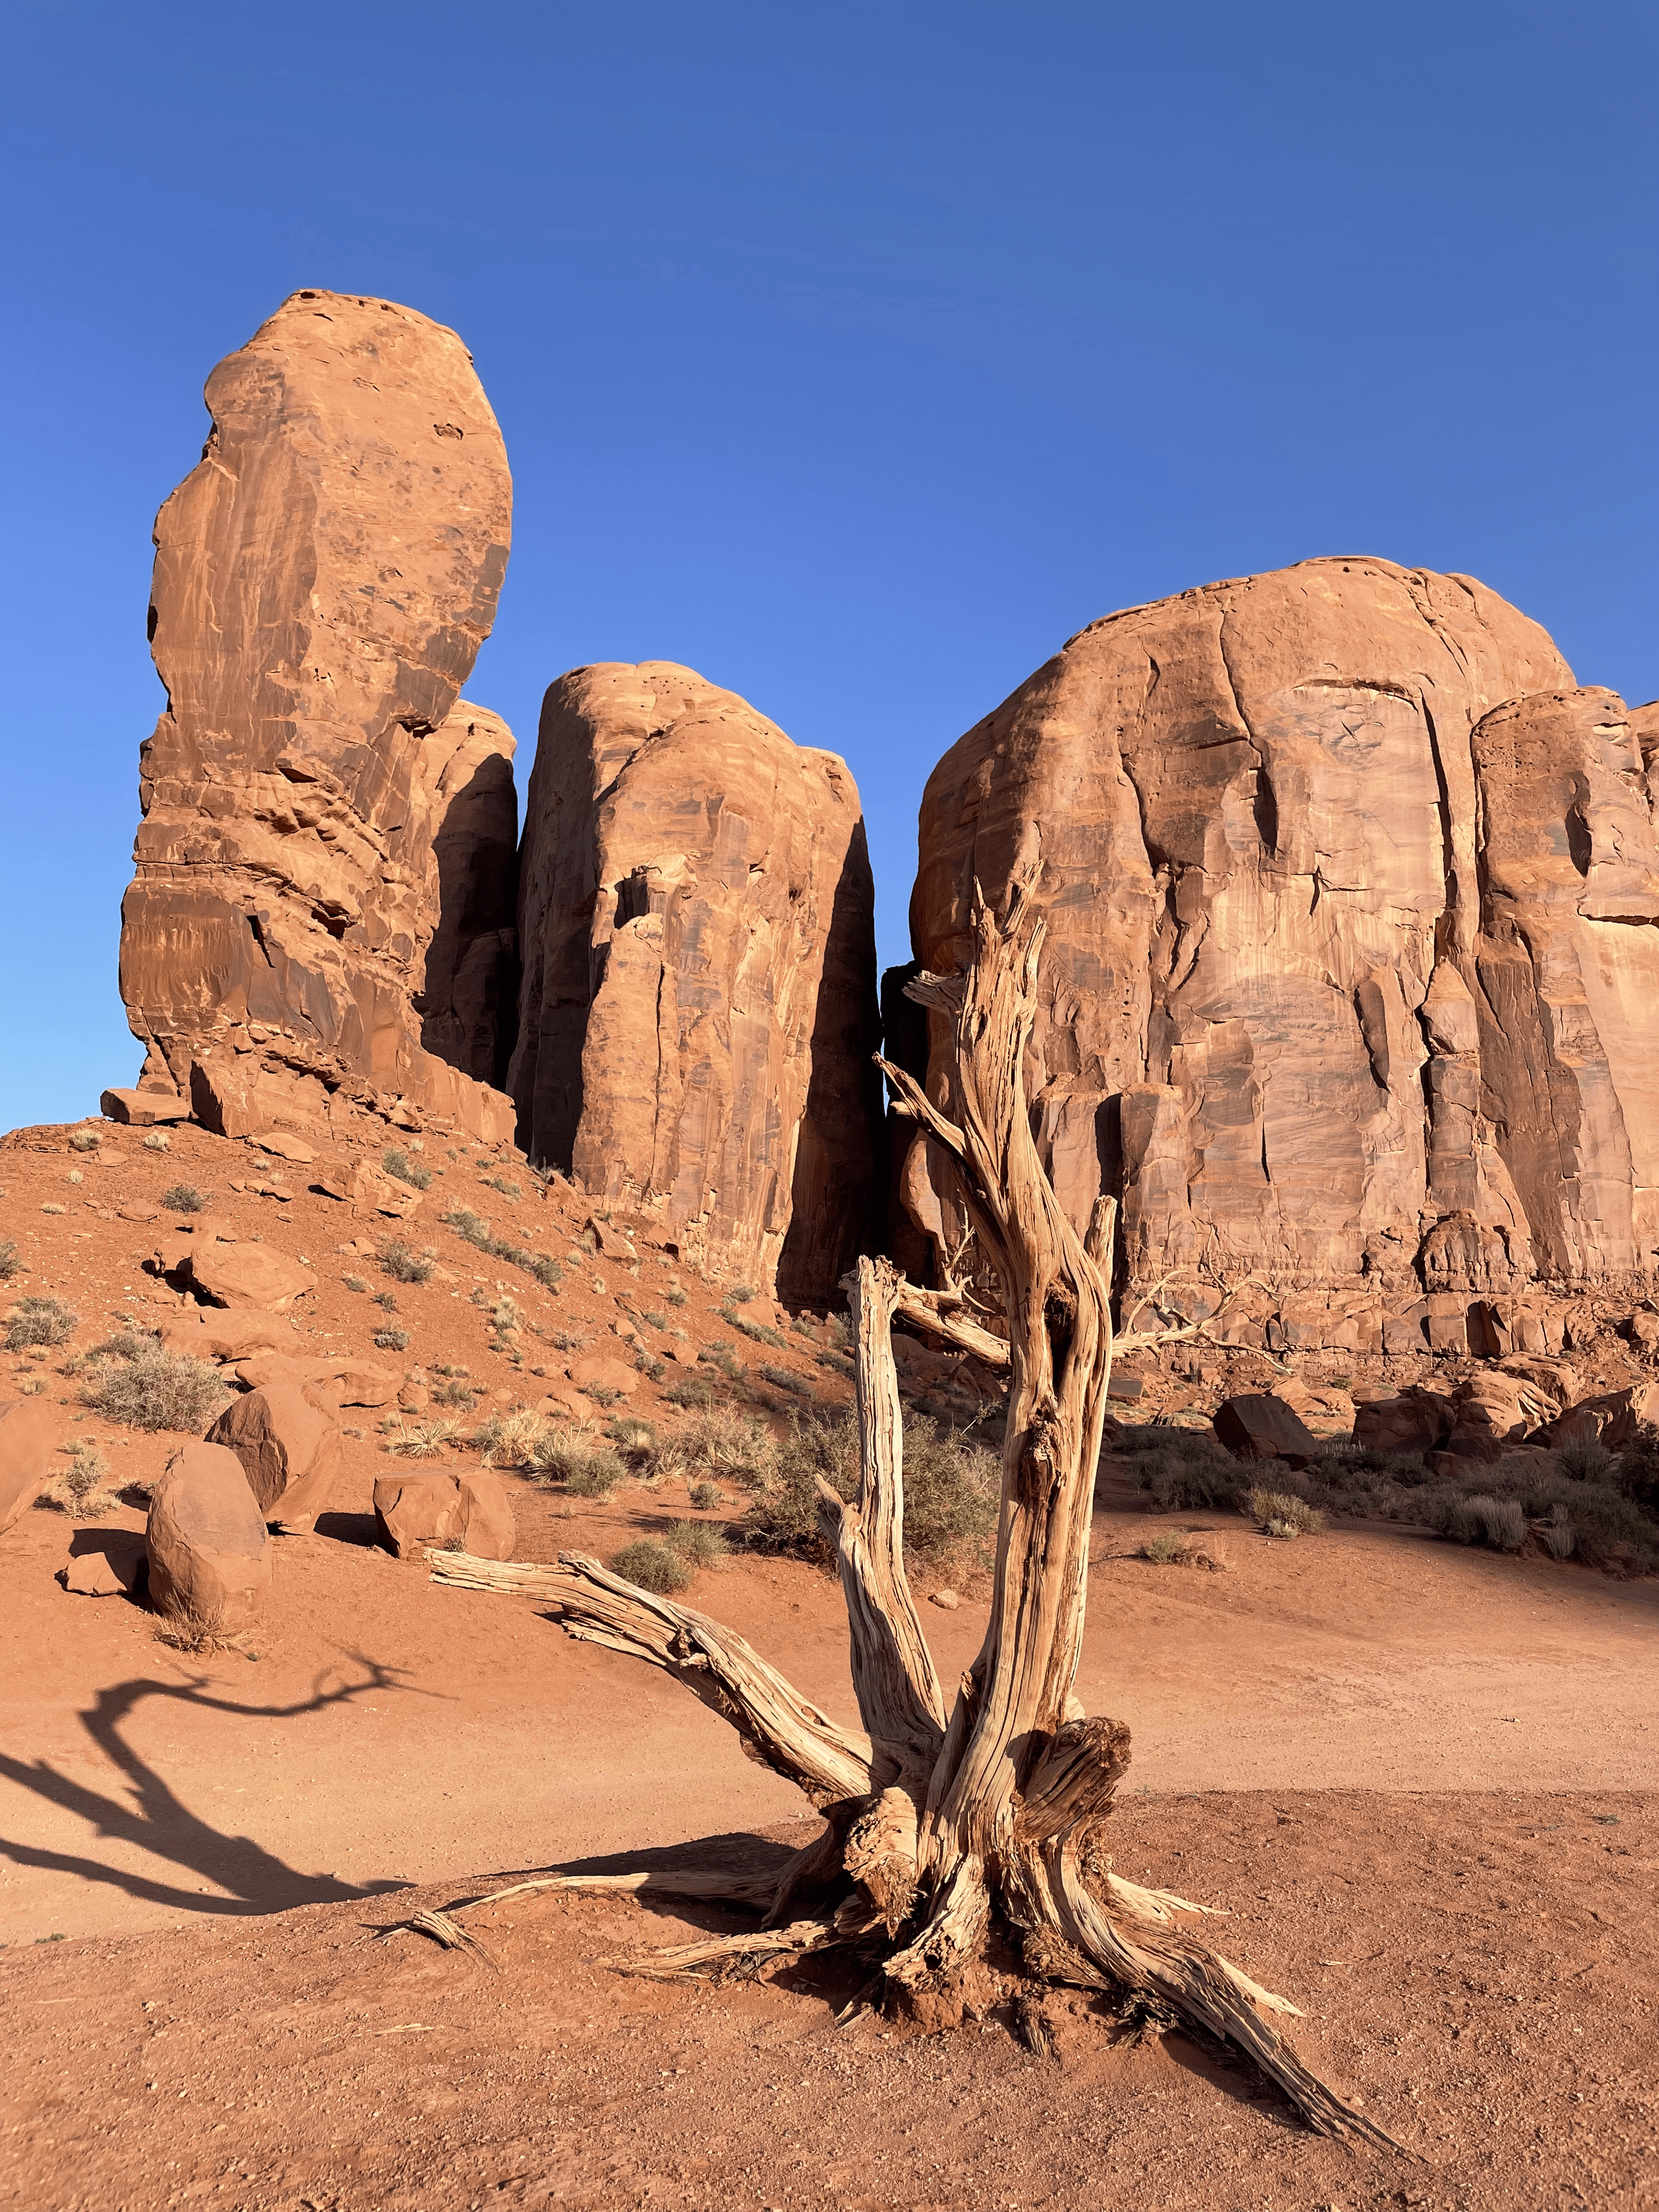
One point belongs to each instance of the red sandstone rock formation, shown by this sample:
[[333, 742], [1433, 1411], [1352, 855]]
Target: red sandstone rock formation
[[695, 919], [1347, 955], [318, 811]]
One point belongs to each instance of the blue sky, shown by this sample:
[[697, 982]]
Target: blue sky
[[854, 355]]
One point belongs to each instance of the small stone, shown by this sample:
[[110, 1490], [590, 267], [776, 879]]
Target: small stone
[[283, 1146], [946, 1599]]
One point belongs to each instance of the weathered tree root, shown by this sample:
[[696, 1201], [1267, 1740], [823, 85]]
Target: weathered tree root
[[960, 1831]]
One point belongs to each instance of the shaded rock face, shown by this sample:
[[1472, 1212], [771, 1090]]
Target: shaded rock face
[[1346, 951], [695, 920], [318, 811]]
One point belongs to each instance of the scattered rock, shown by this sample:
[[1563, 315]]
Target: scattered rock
[[105, 1564], [246, 1274], [1611, 1418], [602, 1370], [612, 1243], [28, 1438], [1415, 1421], [1260, 1425], [210, 1557], [145, 1109], [287, 1438], [373, 1186], [207, 1333], [344, 1380], [946, 1599], [413, 1511], [483, 1518], [284, 1145]]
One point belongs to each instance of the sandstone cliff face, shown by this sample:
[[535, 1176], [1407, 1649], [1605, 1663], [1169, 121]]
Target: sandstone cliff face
[[1346, 957], [317, 808], [696, 916]]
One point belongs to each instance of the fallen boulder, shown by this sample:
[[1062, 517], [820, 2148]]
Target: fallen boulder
[[287, 1440], [215, 1334], [345, 1380], [484, 1520], [145, 1109], [1492, 1412], [373, 1186], [413, 1511], [210, 1557], [1612, 1418], [247, 1275], [1259, 1426], [107, 1563], [599, 1371], [283, 1145], [1415, 1421], [28, 1438]]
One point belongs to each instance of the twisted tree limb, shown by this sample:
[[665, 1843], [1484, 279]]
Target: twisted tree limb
[[945, 1826]]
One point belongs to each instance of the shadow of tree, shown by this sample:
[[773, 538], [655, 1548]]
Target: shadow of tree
[[156, 1820]]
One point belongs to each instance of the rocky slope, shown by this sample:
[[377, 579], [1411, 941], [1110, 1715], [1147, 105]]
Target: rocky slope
[[1347, 952], [318, 808], [695, 915]]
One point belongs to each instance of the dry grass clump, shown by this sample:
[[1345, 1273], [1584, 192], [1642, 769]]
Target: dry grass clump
[[84, 1141], [396, 1162], [1179, 1547], [586, 1468], [397, 1259], [653, 1566], [83, 1479], [41, 1320], [722, 1443], [392, 1339], [510, 1439], [10, 1258], [183, 1198], [158, 1141], [1499, 1522], [951, 1488], [1184, 1470], [1282, 1513], [134, 1382], [427, 1440], [698, 1543]]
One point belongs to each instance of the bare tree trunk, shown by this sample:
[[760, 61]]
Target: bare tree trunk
[[956, 1834]]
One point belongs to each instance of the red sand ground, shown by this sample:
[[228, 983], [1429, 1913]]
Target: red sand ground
[[1421, 1779]]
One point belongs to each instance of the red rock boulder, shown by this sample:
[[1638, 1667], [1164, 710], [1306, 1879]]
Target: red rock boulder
[[210, 1557], [287, 1440], [1258, 1426], [28, 1441]]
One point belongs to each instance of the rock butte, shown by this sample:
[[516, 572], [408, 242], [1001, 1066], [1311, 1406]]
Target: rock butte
[[696, 927], [1351, 960], [317, 917]]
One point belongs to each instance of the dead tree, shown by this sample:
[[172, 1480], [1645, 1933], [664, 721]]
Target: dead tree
[[960, 1862]]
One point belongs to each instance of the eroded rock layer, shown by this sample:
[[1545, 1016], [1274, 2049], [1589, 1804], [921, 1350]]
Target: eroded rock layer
[[695, 915], [1350, 965], [319, 811]]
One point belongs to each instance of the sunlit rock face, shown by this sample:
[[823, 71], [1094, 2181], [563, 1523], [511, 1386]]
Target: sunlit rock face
[[1350, 941], [318, 808]]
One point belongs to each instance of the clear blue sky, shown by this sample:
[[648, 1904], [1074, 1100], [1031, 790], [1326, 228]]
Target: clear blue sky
[[856, 356]]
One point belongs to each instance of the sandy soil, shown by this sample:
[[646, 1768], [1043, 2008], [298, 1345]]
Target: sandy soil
[[1421, 1779]]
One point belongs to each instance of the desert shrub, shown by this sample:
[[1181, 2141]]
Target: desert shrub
[[698, 1543], [1638, 1469], [1283, 1511], [705, 1495], [472, 1229], [1167, 1548], [52, 1206], [649, 1365], [353, 1282], [10, 1261], [720, 1355], [1499, 1522], [652, 1567], [758, 1332], [951, 1487], [676, 1296], [387, 1300], [685, 1390], [586, 1469], [1586, 1459], [1559, 1537], [396, 1162], [653, 1320], [183, 1198], [453, 1392], [83, 1140], [1184, 1470], [1609, 1529], [452, 1368], [838, 1363], [392, 1339], [41, 1320], [138, 1383], [84, 1476], [427, 1440], [741, 1293], [395, 1259], [510, 1439], [158, 1141], [785, 1378], [509, 1190], [635, 1438]]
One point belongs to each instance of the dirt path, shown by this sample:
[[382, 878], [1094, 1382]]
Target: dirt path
[[392, 1732]]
